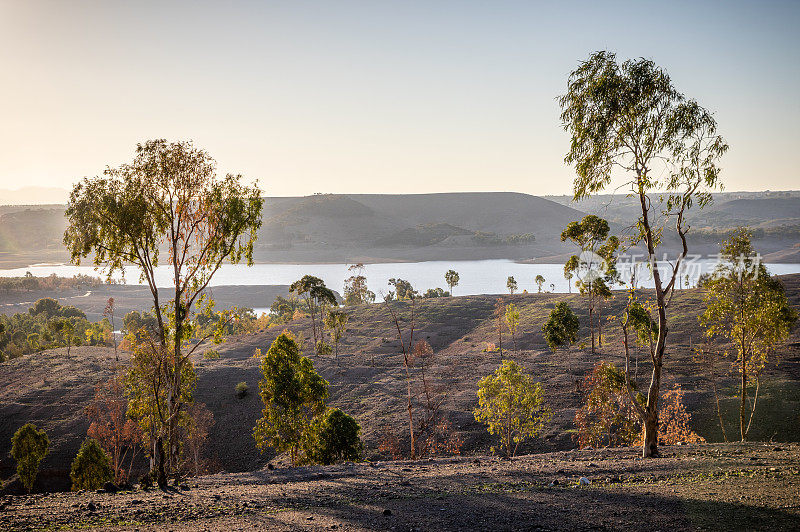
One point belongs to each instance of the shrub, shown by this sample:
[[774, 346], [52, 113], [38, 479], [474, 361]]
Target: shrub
[[241, 389], [323, 349], [512, 405], [28, 447], [293, 394], [211, 354], [607, 416], [91, 467], [335, 437]]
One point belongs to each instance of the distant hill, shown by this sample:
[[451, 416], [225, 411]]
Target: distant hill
[[371, 227], [449, 226]]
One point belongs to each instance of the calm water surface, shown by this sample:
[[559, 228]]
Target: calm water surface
[[477, 277]]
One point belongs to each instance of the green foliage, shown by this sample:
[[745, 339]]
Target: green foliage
[[168, 199], [355, 287], [451, 278], [293, 395], [512, 404], [403, 289], [749, 308], [336, 322], [51, 283], [241, 389], [28, 447], [539, 280], [561, 328], [283, 308], [435, 292], [335, 436], [511, 284], [323, 349], [91, 467], [48, 325]]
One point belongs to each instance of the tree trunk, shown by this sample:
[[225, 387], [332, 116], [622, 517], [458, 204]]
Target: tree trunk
[[591, 325], [158, 454], [743, 405]]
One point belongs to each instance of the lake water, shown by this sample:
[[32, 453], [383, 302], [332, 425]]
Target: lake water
[[476, 277]]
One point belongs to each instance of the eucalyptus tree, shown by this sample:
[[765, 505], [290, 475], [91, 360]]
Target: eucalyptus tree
[[628, 120], [595, 266], [539, 280], [749, 308], [511, 284], [317, 296], [451, 278], [167, 206]]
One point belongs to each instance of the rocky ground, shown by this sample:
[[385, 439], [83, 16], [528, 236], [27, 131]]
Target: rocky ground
[[692, 487]]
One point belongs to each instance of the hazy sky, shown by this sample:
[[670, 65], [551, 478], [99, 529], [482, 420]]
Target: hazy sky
[[376, 96]]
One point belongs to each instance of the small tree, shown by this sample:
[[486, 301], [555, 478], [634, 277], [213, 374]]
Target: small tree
[[91, 467], [109, 311], [512, 405], [540, 280], [512, 321], [451, 278], [198, 427], [293, 394], [607, 417], [316, 295], [561, 328], [595, 265], [403, 289], [355, 287], [336, 323], [28, 447], [749, 308], [335, 437], [568, 275], [511, 284], [111, 427]]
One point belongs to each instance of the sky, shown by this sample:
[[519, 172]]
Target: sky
[[376, 96]]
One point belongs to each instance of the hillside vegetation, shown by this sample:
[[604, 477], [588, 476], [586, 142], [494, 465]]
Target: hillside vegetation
[[51, 388]]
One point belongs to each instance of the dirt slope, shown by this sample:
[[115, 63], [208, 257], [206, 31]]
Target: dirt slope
[[696, 487], [51, 388]]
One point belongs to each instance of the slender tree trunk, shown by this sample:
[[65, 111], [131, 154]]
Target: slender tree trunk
[[591, 325], [743, 405], [599, 324]]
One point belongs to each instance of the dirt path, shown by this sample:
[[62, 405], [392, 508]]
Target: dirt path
[[714, 487]]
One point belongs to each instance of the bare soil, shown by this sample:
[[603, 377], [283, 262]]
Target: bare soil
[[693, 487]]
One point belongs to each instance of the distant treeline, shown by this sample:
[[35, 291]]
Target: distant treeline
[[718, 235], [47, 325], [53, 282], [493, 239]]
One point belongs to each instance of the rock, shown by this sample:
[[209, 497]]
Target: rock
[[583, 481], [553, 483], [592, 464], [270, 466], [110, 487], [387, 512], [91, 507]]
